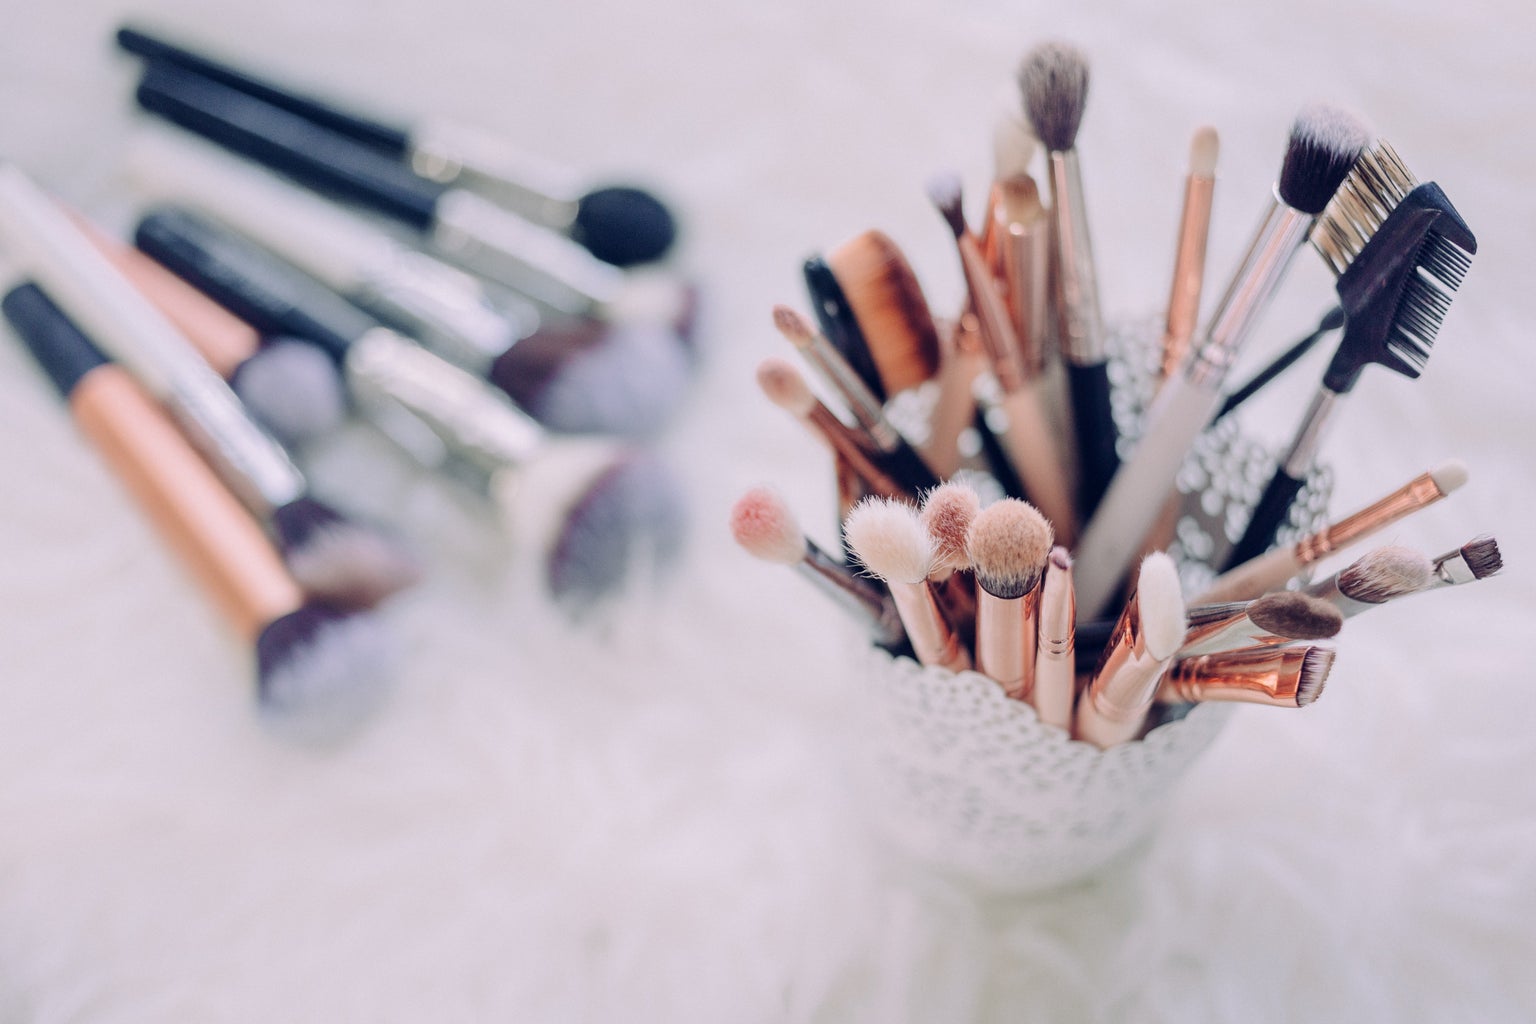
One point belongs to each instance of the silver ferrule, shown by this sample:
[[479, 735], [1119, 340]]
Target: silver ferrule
[[475, 423], [1079, 321], [480, 236], [1450, 570], [862, 594], [487, 164], [252, 465], [1299, 460], [1283, 231], [446, 308]]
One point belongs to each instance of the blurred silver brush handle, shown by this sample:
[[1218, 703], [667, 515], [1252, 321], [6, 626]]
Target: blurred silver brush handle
[[485, 163], [252, 465], [482, 237], [1328, 590]]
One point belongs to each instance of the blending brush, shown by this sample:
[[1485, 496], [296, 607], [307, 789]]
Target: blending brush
[[1008, 544], [331, 555], [622, 225], [763, 524], [1477, 559], [318, 667], [1055, 687], [898, 457], [947, 513], [1282, 677], [1382, 575], [1269, 621], [887, 302], [1324, 143], [1030, 441], [1053, 82], [1189, 256], [1272, 570], [1144, 642], [1395, 294], [889, 540]]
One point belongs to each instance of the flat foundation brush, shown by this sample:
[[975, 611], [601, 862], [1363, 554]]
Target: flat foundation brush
[[1324, 143], [1008, 543], [886, 299], [1283, 677], [1382, 575]]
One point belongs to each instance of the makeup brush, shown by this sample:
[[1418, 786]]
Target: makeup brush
[[1055, 659], [835, 316], [458, 225], [1382, 575], [888, 540], [619, 224], [887, 301], [1331, 321], [954, 407], [1145, 639], [1324, 143], [1269, 621], [898, 457], [1477, 559], [1008, 544], [1053, 82], [1271, 571], [1282, 677], [1395, 295], [763, 524], [784, 386], [319, 669], [332, 556], [1189, 257], [947, 513], [1029, 439]]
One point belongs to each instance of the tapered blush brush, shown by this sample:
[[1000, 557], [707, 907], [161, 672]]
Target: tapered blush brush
[[886, 299], [1055, 688], [332, 556], [889, 540], [620, 224], [1273, 570], [1189, 256], [1269, 621], [1053, 83], [1382, 575], [1475, 560], [947, 514], [1282, 677], [1143, 644], [763, 524], [1324, 143], [319, 669], [1029, 439], [1008, 544]]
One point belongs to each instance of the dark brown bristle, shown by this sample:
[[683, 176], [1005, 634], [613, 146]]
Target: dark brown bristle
[[888, 304], [1384, 574], [1053, 82], [1315, 666], [1325, 143], [1482, 557], [946, 193], [1296, 616]]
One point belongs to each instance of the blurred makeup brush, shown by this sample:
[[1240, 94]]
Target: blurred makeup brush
[[621, 224], [1269, 621], [332, 556], [1189, 257], [833, 312], [1030, 441], [1477, 559], [1053, 82], [1145, 639], [1331, 321], [1395, 295], [763, 524], [1008, 544], [898, 457], [954, 408], [1382, 575], [1282, 677], [885, 298], [947, 513], [1324, 143], [319, 669], [889, 540], [784, 386], [1271, 571], [1055, 659]]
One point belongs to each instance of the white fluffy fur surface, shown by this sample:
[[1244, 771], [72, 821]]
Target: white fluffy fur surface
[[638, 817]]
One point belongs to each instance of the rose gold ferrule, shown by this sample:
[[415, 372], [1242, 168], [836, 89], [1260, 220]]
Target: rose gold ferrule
[[1412, 496], [845, 443], [1269, 676], [994, 328], [933, 641], [1055, 683], [1022, 233], [1000, 641], [195, 513], [1188, 272], [1115, 706]]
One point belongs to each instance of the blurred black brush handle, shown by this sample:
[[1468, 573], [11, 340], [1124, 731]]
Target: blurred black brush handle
[[837, 322], [1271, 513], [1094, 421]]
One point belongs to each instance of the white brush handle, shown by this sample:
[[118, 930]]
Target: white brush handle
[[1254, 578]]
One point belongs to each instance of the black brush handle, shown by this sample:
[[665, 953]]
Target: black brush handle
[[1094, 421], [1271, 513], [285, 142], [387, 138], [254, 284], [65, 354], [838, 323], [1332, 321]]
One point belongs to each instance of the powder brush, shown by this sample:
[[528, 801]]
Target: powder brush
[[1008, 543]]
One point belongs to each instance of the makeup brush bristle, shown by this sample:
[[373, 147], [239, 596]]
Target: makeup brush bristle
[[1325, 142], [784, 385], [1377, 183], [947, 514], [795, 327], [1384, 574], [293, 389], [763, 524], [1316, 664], [321, 671], [1053, 80], [888, 540], [1482, 556], [1204, 149], [1449, 475], [1161, 602], [946, 193], [888, 303], [1296, 616], [1061, 558], [623, 225], [1008, 544], [338, 559]]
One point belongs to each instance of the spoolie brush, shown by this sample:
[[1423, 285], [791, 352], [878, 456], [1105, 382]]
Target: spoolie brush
[[1383, 575], [1282, 677], [1008, 545]]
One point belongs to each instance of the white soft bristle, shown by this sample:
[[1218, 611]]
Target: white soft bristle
[[1013, 146], [1204, 149], [1449, 475], [322, 673], [1161, 604], [763, 524], [293, 389], [889, 539], [784, 386]]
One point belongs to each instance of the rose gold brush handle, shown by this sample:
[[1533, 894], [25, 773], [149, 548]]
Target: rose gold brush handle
[[932, 639]]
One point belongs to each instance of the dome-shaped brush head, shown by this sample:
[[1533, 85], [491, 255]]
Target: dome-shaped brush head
[[624, 225], [293, 389], [321, 672]]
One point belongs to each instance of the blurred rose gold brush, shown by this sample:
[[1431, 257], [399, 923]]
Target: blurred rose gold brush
[[1281, 677]]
